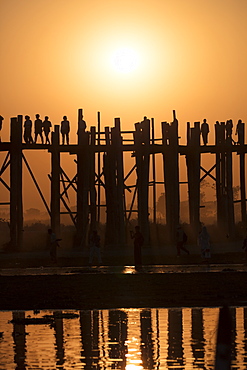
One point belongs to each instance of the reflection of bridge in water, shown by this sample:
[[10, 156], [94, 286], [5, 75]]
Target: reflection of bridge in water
[[133, 339], [101, 168]]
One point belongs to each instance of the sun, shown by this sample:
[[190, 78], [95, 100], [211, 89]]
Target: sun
[[124, 60]]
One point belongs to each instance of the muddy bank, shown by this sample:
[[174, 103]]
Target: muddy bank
[[95, 291]]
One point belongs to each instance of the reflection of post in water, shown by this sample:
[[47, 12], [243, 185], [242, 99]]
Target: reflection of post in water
[[147, 349], [175, 350], [117, 336], [58, 328], [197, 336], [19, 336], [89, 324], [245, 330], [232, 311], [223, 345]]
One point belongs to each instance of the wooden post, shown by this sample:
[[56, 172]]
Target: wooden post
[[114, 186], [109, 171], [80, 114], [99, 170], [154, 172], [83, 170], [193, 160], [93, 210], [142, 153], [242, 176], [229, 192], [120, 201], [171, 176], [217, 171], [55, 181], [221, 195], [16, 207]]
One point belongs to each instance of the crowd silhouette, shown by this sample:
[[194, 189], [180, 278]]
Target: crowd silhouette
[[44, 127]]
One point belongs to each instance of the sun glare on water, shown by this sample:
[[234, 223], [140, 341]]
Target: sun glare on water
[[124, 60]]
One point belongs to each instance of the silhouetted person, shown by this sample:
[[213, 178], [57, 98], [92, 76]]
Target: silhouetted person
[[204, 243], [1, 126], [38, 126], [229, 127], [240, 131], [138, 243], [81, 126], [28, 130], [65, 129], [47, 129], [94, 244], [181, 240], [53, 244], [205, 131]]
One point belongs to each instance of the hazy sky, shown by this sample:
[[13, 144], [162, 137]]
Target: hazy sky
[[125, 59]]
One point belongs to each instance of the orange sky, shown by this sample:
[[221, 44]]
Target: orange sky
[[56, 58]]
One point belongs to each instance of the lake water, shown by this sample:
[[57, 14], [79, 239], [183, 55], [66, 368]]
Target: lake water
[[130, 339]]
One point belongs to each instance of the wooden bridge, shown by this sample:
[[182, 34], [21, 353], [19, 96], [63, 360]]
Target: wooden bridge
[[100, 165]]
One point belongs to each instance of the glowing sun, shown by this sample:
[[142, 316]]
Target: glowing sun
[[125, 60]]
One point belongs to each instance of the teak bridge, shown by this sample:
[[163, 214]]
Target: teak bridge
[[100, 165]]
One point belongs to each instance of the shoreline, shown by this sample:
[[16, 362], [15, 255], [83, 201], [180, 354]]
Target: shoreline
[[114, 290]]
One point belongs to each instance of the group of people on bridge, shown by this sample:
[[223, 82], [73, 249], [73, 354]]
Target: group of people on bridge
[[228, 130], [44, 126]]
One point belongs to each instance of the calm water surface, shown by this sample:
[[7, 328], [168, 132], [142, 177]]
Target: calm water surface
[[130, 339]]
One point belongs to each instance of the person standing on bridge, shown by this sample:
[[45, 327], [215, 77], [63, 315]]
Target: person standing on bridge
[[38, 127], [28, 130], [47, 129], [240, 132], [81, 126], [205, 131], [229, 127], [65, 129]]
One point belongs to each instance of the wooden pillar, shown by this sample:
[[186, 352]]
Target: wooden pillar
[[218, 184], [55, 181], [221, 192], [98, 170], [83, 170], [242, 176], [92, 195], [114, 186], [229, 192], [120, 201], [16, 206], [109, 171], [142, 152], [154, 172], [171, 176], [193, 159]]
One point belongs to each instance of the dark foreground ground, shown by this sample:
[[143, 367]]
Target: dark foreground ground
[[95, 291], [97, 288]]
